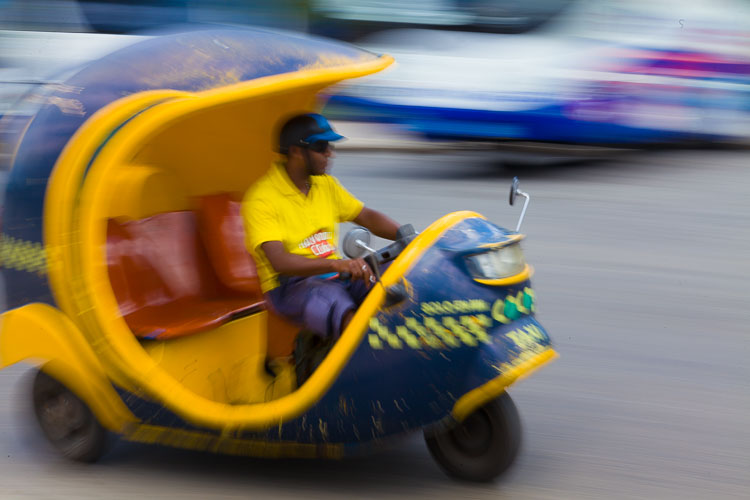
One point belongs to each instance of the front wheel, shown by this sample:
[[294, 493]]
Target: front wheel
[[481, 447], [66, 421]]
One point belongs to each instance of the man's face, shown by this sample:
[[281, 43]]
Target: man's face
[[319, 158]]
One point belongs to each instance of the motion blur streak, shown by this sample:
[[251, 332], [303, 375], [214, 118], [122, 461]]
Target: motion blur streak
[[641, 256]]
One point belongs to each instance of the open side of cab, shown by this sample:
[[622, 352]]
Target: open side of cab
[[152, 266], [177, 266], [188, 288]]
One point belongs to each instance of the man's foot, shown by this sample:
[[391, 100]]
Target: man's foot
[[309, 352], [276, 366], [284, 379]]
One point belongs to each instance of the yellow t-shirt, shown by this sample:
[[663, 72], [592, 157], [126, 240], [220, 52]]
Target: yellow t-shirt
[[273, 209]]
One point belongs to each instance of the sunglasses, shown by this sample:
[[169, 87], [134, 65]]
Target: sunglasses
[[320, 146]]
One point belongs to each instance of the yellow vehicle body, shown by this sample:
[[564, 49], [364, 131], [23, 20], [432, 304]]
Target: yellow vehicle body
[[190, 124]]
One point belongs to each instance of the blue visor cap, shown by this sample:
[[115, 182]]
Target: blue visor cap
[[324, 133]]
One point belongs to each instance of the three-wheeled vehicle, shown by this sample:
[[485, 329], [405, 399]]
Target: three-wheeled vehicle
[[130, 288]]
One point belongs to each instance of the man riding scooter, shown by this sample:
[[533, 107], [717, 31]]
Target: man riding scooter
[[291, 216]]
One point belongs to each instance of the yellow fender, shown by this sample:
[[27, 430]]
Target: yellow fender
[[42, 335]]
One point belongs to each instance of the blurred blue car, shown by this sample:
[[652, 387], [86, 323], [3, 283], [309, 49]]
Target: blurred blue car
[[600, 73]]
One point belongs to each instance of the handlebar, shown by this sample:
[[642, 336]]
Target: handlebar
[[404, 236]]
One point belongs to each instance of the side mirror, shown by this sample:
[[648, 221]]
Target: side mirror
[[513, 191], [356, 243]]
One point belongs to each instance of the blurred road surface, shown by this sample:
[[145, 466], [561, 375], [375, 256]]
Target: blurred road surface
[[642, 270]]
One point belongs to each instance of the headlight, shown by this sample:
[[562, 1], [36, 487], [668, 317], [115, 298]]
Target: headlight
[[498, 263]]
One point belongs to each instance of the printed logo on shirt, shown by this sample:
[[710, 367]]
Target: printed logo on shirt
[[320, 244]]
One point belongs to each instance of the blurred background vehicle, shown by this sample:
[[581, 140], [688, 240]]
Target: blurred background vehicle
[[597, 72], [352, 20], [583, 72]]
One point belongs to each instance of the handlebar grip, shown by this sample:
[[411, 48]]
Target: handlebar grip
[[405, 231], [345, 276]]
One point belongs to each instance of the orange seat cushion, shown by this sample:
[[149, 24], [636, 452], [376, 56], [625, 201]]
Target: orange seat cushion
[[223, 234], [187, 316], [163, 281]]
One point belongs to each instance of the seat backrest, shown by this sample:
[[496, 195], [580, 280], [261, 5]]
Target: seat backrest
[[170, 243], [156, 260], [133, 281], [223, 234]]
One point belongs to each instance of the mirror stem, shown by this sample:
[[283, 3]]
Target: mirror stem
[[523, 210]]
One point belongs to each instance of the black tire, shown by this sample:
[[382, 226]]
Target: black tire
[[481, 447], [66, 421]]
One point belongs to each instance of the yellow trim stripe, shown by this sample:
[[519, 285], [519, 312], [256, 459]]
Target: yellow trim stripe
[[203, 441], [422, 243], [478, 397], [527, 272], [512, 238]]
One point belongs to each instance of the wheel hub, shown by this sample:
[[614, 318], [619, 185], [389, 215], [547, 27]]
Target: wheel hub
[[62, 415], [474, 435]]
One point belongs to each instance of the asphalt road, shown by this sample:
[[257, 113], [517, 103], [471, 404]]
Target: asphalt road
[[642, 268]]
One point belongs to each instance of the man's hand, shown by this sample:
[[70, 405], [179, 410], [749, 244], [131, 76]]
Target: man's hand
[[284, 262], [357, 268]]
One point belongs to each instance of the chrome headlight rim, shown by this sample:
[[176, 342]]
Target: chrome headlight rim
[[497, 264]]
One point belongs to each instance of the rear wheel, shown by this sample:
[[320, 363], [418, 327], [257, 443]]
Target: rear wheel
[[481, 447], [66, 420]]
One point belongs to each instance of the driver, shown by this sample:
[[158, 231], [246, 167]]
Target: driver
[[291, 216]]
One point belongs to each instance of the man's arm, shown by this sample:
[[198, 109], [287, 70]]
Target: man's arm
[[378, 223], [290, 264]]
